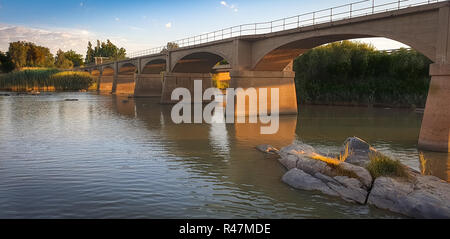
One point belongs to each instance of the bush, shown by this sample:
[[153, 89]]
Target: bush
[[356, 73], [71, 81]]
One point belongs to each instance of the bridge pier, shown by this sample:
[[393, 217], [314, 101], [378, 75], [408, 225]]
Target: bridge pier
[[148, 85], [183, 80], [125, 84], [106, 83], [282, 80], [435, 131]]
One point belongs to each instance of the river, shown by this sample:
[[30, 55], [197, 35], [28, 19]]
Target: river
[[111, 157]]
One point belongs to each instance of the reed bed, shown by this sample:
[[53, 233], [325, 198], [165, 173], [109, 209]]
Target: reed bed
[[45, 80]]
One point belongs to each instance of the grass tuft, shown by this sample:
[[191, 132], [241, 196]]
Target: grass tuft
[[381, 165]]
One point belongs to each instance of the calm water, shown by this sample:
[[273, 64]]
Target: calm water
[[109, 157]]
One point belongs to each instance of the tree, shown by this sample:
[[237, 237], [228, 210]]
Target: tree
[[170, 46], [18, 52], [6, 64], [77, 59], [61, 61], [25, 54], [90, 54], [104, 49]]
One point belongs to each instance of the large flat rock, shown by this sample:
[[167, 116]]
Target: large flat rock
[[423, 197]]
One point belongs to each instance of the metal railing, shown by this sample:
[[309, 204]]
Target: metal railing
[[347, 11]]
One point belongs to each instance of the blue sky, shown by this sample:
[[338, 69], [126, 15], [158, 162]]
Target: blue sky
[[139, 24]]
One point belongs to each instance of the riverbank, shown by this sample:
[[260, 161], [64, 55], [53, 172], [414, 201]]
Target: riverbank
[[46, 80]]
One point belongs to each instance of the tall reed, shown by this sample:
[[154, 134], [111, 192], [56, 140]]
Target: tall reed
[[45, 80]]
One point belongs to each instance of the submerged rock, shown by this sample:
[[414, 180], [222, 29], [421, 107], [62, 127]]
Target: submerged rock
[[421, 197], [265, 148]]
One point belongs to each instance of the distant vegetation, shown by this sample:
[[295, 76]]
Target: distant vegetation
[[104, 49], [356, 73], [26, 54], [41, 79]]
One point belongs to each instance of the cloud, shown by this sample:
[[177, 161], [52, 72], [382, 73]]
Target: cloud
[[64, 39], [169, 25], [117, 19], [227, 5]]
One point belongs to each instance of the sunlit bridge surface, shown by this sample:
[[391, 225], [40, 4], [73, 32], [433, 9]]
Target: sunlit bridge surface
[[109, 157]]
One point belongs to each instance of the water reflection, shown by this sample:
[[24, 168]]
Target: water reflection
[[113, 157], [436, 164]]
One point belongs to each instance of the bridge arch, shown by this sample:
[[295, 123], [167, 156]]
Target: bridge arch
[[127, 68], [108, 71], [276, 54], [154, 66], [95, 72], [198, 62]]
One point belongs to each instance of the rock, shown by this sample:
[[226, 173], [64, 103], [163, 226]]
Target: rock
[[422, 197], [298, 179], [363, 174], [295, 155], [4, 95], [289, 162], [350, 189], [359, 151], [71, 100], [265, 148]]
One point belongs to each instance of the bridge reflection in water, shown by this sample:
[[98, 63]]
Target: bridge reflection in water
[[392, 131]]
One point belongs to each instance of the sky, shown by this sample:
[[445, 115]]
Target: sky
[[141, 24]]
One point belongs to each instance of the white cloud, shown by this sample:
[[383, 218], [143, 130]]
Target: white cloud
[[64, 39], [169, 25], [81, 4], [232, 6], [117, 19]]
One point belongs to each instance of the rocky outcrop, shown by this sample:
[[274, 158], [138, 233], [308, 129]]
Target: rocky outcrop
[[359, 149], [421, 197], [417, 196], [307, 173]]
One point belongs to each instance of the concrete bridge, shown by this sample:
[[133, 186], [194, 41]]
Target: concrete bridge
[[265, 60]]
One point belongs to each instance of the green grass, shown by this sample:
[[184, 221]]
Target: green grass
[[45, 79], [383, 166]]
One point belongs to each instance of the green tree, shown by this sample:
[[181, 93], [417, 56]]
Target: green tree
[[90, 54], [77, 59], [18, 52], [356, 73], [104, 49], [61, 61], [170, 46], [6, 64], [25, 54]]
